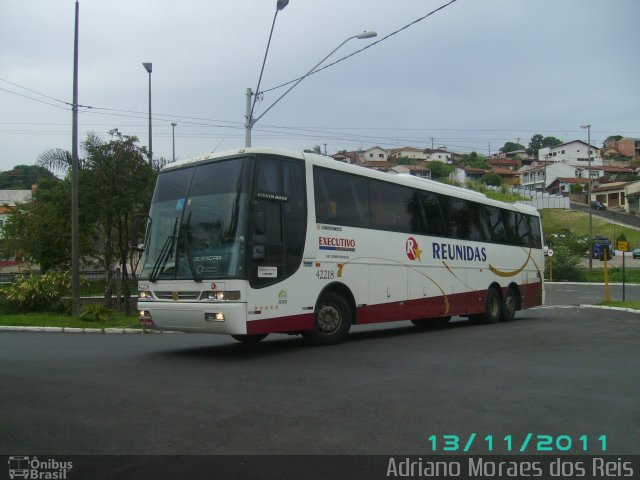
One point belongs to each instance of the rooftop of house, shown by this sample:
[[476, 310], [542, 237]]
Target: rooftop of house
[[611, 186]]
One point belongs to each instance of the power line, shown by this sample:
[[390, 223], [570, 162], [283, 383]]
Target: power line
[[34, 99], [442, 7], [33, 91]]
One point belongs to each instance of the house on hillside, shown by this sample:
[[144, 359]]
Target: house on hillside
[[574, 153], [563, 186], [508, 177], [632, 196], [9, 199], [611, 194], [346, 157], [374, 154], [415, 170], [414, 153], [438, 155], [540, 175], [508, 163], [467, 174], [626, 147]]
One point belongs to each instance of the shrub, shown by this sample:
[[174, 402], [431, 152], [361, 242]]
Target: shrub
[[566, 265], [37, 292], [96, 313]]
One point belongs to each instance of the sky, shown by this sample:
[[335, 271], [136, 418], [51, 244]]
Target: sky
[[472, 76]]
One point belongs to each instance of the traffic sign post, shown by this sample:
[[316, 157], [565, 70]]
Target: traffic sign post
[[605, 257], [550, 255]]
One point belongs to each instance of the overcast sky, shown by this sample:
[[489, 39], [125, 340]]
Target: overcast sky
[[472, 76]]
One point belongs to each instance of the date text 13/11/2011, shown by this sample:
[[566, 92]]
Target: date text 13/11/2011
[[511, 443]]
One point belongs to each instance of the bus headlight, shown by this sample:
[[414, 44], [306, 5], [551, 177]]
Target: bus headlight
[[221, 296], [145, 295], [214, 317]]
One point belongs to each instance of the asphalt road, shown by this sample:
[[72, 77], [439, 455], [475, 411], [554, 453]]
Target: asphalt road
[[553, 370], [560, 293], [618, 217]]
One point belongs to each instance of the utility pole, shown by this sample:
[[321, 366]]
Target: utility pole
[[249, 122], [173, 136], [325, 149], [75, 217]]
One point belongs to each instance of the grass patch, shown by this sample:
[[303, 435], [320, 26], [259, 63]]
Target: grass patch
[[558, 219], [619, 303], [503, 197], [631, 275], [117, 320]]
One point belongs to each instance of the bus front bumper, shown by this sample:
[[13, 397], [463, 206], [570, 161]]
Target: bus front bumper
[[196, 317]]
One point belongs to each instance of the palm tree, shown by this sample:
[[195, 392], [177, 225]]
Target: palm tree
[[59, 160]]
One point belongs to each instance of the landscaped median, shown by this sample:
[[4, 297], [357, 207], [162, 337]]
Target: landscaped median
[[50, 322], [618, 304]]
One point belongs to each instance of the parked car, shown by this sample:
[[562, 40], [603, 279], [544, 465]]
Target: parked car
[[636, 253], [600, 243], [598, 205]]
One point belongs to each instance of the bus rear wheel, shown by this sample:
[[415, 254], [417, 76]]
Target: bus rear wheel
[[250, 338], [492, 308], [333, 319], [509, 306]]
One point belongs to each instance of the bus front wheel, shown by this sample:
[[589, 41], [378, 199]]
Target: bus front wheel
[[250, 338], [332, 320]]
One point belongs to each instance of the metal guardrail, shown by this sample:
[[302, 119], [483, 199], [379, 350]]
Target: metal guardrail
[[91, 276]]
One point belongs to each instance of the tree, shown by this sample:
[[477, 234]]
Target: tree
[[473, 160], [406, 161], [40, 231], [115, 182], [120, 183], [439, 169], [23, 177], [539, 141], [491, 178], [611, 138], [316, 149], [511, 147]]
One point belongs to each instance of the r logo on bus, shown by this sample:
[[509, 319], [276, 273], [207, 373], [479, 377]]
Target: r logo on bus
[[413, 250]]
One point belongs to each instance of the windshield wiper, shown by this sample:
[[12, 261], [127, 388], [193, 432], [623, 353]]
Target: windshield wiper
[[186, 227], [164, 252]]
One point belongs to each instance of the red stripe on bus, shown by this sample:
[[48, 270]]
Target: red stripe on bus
[[459, 304]]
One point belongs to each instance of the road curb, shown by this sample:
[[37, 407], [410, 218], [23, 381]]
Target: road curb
[[128, 331], [138, 331], [617, 309]]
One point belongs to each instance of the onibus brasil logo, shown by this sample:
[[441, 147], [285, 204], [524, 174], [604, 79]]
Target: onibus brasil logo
[[33, 468], [413, 250]]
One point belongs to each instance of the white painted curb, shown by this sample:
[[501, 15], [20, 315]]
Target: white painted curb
[[128, 331]]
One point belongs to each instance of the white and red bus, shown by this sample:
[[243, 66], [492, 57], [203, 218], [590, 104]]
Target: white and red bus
[[262, 240]]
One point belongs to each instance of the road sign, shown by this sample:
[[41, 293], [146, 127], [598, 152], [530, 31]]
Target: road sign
[[550, 253], [623, 245]]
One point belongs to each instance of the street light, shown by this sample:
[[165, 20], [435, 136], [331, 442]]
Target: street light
[[252, 121], [173, 136], [588, 127], [147, 67]]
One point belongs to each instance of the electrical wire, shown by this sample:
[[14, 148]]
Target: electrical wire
[[442, 7]]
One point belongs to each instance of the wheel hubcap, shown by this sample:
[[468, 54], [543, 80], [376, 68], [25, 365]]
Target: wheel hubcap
[[328, 319]]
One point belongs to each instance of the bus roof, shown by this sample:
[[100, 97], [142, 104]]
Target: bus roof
[[328, 162]]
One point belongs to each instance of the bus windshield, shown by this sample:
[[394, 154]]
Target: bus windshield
[[197, 224]]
